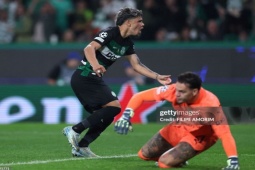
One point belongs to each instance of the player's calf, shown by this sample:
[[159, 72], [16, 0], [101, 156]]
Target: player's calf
[[176, 156], [154, 148]]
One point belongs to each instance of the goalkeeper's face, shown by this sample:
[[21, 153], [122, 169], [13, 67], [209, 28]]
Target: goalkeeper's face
[[184, 94]]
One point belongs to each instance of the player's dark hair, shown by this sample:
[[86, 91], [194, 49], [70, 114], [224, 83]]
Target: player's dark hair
[[191, 79], [127, 13]]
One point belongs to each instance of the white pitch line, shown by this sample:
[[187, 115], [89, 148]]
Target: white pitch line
[[63, 160], [74, 159]]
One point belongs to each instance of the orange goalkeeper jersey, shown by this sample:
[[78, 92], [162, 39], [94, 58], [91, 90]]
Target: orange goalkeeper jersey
[[206, 100]]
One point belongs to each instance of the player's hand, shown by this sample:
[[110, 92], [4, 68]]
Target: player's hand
[[123, 125], [164, 79], [232, 164], [99, 70]]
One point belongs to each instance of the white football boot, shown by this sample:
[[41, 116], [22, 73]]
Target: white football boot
[[83, 152], [72, 137]]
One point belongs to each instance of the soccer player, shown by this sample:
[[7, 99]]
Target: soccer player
[[178, 141], [87, 83]]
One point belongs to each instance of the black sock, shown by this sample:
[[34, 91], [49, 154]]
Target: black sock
[[78, 128], [94, 132], [106, 113]]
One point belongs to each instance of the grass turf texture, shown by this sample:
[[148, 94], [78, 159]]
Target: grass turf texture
[[31, 146]]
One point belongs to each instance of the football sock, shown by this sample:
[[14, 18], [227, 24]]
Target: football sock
[[140, 155], [78, 128], [94, 132], [162, 165], [104, 114]]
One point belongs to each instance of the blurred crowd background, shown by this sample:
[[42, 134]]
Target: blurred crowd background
[[227, 66], [67, 21]]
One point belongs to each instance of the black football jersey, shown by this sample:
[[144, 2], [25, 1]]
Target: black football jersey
[[113, 47]]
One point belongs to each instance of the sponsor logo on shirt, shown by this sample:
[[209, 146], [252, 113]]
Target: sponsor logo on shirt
[[107, 53]]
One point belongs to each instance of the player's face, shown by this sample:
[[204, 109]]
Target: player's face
[[136, 26], [184, 94]]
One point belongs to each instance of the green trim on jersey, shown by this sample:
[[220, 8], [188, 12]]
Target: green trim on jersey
[[87, 69]]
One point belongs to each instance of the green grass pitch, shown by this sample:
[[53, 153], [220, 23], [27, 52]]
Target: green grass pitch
[[35, 146]]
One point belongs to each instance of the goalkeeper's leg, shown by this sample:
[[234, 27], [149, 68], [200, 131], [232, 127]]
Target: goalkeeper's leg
[[177, 155], [188, 147], [154, 148]]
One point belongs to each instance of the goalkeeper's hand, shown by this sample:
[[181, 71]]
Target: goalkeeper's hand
[[232, 164], [123, 125]]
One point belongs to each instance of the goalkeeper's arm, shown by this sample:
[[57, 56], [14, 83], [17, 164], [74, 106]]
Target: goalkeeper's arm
[[229, 145], [137, 100], [123, 125]]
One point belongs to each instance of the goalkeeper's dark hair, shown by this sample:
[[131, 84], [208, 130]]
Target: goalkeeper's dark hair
[[127, 13], [191, 79]]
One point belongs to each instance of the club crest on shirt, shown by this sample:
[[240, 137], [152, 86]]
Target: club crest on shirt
[[123, 50]]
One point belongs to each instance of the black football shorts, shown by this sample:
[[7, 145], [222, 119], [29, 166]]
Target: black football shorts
[[91, 91]]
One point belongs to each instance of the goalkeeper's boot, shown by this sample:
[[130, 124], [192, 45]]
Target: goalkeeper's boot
[[84, 152], [72, 137]]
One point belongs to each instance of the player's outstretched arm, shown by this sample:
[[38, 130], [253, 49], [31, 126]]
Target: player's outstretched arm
[[164, 79], [142, 69], [229, 145]]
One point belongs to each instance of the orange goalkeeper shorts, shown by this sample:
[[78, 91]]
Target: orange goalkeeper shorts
[[175, 134]]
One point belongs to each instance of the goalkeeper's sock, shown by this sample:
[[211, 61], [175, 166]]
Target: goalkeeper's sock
[[94, 132], [140, 154], [104, 114], [162, 165]]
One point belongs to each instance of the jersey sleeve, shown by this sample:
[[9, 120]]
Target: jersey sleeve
[[222, 130], [104, 36], [228, 142], [164, 93], [137, 100]]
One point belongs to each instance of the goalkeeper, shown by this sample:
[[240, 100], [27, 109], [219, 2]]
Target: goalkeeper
[[178, 141]]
